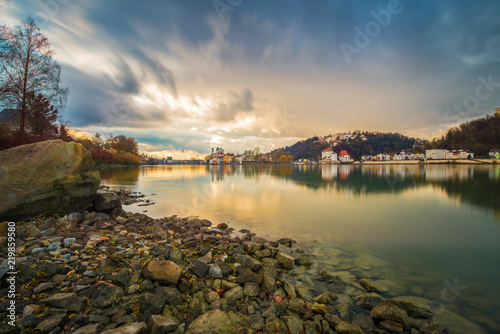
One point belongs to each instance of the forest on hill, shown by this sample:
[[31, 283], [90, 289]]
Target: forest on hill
[[375, 143], [479, 136]]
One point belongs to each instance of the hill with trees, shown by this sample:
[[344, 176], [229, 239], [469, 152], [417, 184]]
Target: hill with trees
[[479, 136], [376, 142]]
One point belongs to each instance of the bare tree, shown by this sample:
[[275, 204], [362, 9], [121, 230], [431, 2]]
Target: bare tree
[[27, 68]]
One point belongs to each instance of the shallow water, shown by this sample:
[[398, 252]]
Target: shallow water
[[437, 226]]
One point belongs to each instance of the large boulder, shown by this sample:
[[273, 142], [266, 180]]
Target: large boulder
[[46, 178]]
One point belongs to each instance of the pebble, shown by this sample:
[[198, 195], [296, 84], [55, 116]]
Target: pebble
[[38, 250]]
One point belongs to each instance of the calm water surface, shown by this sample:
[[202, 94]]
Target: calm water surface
[[434, 224]]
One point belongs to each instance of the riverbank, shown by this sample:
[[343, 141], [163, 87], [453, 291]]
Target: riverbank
[[127, 272], [434, 162]]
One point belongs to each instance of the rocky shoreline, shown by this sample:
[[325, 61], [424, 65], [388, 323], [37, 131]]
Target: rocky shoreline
[[124, 272]]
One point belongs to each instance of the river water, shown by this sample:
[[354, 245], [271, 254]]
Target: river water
[[435, 230]]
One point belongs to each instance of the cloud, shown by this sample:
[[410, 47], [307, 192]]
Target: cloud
[[269, 73]]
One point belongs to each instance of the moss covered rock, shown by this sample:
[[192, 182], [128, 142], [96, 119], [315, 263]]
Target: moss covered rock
[[46, 178]]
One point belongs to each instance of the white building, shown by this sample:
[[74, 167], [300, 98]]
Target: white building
[[383, 157], [328, 154], [459, 154], [436, 154], [344, 156]]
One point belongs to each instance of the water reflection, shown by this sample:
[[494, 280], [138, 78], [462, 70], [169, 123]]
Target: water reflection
[[120, 175], [469, 184], [477, 185]]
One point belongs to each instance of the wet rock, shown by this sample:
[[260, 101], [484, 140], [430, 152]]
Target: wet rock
[[318, 308], [297, 305], [450, 322], [56, 320], [222, 226], [31, 310], [69, 241], [68, 301], [106, 295], [105, 201], [392, 288], [332, 320], [162, 271], [44, 287], [367, 261], [147, 285], [346, 328], [216, 304], [213, 321], [207, 258], [391, 326], [121, 278], [152, 303], [251, 289], [234, 294], [386, 311], [253, 264], [275, 326], [200, 268], [326, 298], [109, 266], [363, 321], [370, 285], [158, 324], [121, 220], [53, 246], [285, 260], [214, 271], [414, 309], [172, 296], [89, 329], [369, 300], [285, 242], [129, 328], [304, 260], [294, 324]]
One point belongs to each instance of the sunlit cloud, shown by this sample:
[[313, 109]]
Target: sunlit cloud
[[179, 79]]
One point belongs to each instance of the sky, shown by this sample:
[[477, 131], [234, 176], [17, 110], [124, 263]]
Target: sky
[[184, 76]]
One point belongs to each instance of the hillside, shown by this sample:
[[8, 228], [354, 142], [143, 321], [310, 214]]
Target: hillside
[[479, 136], [375, 142]]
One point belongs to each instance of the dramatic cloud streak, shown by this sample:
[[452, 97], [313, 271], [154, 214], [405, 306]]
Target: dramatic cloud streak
[[182, 76]]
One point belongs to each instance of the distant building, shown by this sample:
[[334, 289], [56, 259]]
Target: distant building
[[217, 156], [344, 156], [228, 158], [383, 157], [494, 153], [328, 154], [459, 154], [436, 154], [453, 154], [497, 112]]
